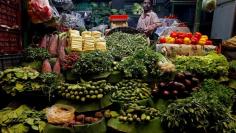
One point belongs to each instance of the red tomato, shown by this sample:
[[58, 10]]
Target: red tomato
[[208, 42], [162, 39], [181, 35], [173, 34], [179, 41], [198, 35], [189, 35], [194, 40]]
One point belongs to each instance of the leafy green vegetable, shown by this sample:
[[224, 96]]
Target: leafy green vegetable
[[32, 54], [123, 44], [144, 62], [20, 120], [206, 111], [93, 63], [209, 65]]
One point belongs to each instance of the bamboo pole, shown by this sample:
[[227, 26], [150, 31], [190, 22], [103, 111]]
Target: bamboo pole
[[197, 15]]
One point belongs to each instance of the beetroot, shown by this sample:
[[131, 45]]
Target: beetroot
[[46, 68]]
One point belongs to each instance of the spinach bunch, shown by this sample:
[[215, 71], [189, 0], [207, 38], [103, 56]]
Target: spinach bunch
[[93, 62]]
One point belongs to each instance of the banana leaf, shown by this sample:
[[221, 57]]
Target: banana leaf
[[98, 127], [232, 84], [103, 75], [145, 102], [149, 127], [114, 77], [88, 106], [57, 129]]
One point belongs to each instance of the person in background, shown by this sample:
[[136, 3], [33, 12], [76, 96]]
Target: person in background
[[148, 21]]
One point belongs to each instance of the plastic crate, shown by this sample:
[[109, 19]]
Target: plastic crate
[[7, 61], [10, 41], [10, 12], [10, 25]]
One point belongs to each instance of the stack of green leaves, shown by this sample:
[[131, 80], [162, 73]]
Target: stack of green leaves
[[21, 120], [206, 111], [22, 79], [209, 65], [94, 62]]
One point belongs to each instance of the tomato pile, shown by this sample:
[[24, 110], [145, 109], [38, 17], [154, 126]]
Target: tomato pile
[[186, 38]]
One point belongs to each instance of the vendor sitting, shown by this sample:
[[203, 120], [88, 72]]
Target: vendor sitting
[[148, 21]]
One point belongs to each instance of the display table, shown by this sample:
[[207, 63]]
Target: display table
[[183, 49]]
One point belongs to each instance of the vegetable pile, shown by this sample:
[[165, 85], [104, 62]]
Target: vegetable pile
[[136, 113], [181, 86], [32, 54], [93, 63], [85, 90], [206, 111], [131, 91], [123, 44], [209, 65], [23, 79], [145, 62], [70, 60], [21, 120]]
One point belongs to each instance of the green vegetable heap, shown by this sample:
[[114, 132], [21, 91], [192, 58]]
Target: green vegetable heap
[[123, 44], [32, 54], [93, 63], [209, 65], [145, 62], [22, 79], [136, 113], [21, 120], [131, 91], [206, 111], [85, 90]]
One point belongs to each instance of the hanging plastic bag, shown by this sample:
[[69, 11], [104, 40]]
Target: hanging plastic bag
[[72, 21], [63, 4], [41, 11], [60, 114], [208, 5]]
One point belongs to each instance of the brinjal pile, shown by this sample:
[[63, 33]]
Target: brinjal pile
[[182, 85], [131, 91], [137, 113], [85, 90]]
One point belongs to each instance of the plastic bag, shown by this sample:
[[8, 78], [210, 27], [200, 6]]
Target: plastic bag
[[208, 5], [73, 21], [41, 11], [60, 114], [63, 4]]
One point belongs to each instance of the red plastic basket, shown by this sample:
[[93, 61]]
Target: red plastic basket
[[118, 17]]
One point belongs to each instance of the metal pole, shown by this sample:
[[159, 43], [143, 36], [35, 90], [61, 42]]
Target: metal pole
[[197, 16]]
